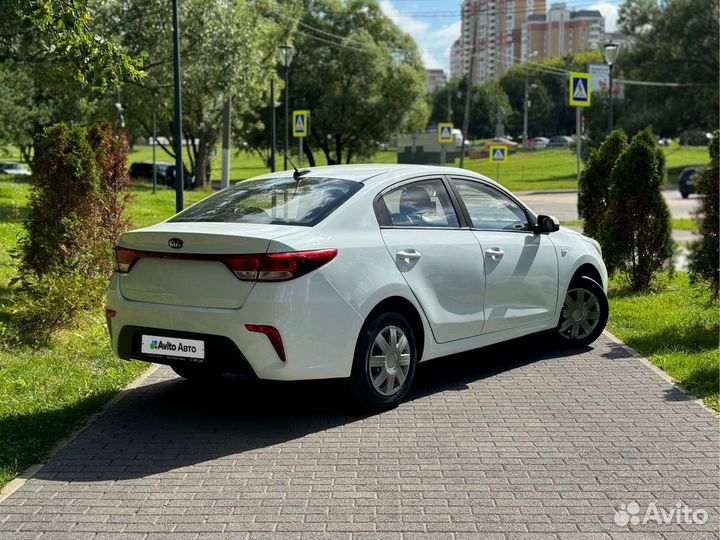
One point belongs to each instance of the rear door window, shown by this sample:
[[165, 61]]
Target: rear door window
[[277, 201]]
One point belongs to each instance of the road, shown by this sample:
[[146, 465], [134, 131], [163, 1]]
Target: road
[[563, 205], [518, 440]]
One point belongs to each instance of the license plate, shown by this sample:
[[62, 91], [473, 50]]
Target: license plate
[[170, 346]]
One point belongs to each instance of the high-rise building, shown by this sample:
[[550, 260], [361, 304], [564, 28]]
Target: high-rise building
[[561, 32], [435, 79], [491, 36]]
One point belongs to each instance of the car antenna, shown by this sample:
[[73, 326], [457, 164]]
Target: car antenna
[[298, 173]]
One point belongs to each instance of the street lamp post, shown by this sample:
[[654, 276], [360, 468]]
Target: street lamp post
[[273, 126], [179, 168], [526, 102], [611, 52], [286, 56]]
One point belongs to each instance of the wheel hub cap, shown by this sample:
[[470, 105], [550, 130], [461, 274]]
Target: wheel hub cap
[[580, 314], [389, 360]]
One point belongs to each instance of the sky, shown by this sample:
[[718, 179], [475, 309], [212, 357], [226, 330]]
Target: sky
[[435, 24]]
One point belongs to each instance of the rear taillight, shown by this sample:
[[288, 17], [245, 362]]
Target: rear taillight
[[278, 266], [125, 259], [255, 267]]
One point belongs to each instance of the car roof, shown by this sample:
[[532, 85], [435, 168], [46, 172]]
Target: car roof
[[376, 172]]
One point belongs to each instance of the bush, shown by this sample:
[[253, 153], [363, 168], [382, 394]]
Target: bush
[[594, 184], [705, 260], [637, 227], [76, 214]]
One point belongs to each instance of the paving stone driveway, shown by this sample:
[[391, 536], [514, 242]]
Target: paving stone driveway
[[511, 441]]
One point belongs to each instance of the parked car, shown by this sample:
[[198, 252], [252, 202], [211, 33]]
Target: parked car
[[14, 169], [350, 272], [165, 173], [538, 143], [560, 141], [687, 181]]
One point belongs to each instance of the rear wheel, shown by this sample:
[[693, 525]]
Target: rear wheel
[[584, 313], [197, 372], [385, 362]]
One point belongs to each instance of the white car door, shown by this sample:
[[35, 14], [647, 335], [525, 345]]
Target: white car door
[[521, 268], [440, 261]]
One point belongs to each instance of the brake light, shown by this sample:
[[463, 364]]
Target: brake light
[[273, 334], [125, 259], [255, 267], [278, 266]]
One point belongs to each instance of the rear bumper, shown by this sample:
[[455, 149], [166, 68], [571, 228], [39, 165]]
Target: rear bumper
[[319, 329]]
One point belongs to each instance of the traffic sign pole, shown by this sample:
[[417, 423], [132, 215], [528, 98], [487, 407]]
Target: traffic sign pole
[[443, 155], [578, 138], [445, 137], [300, 150]]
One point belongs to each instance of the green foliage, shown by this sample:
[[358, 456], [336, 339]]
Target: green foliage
[[359, 75], [674, 41], [636, 231], [76, 214], [229, 49], [594, 184], [705, 260], [487, 102], [61, 213], [63, 34]]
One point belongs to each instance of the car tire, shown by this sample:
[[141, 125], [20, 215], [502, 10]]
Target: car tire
[[384, 364], [584, 313], [198, 372]]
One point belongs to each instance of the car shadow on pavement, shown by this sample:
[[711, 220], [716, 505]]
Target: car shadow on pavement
[[173, 424]]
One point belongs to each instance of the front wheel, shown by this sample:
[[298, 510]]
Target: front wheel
[[385, 362], [584, 313]]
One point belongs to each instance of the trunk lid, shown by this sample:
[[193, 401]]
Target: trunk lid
[[184, 281]]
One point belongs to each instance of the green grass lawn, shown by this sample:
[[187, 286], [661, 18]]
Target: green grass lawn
[[45, 392], [676, 328], [679, 224]]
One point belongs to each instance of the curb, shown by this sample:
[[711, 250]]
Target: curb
[[19, 481], [660, 372]]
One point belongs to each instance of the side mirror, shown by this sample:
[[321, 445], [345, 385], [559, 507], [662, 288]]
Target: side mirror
[[547, 224]]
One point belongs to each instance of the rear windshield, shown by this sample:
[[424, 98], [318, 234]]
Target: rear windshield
[[278, 201]]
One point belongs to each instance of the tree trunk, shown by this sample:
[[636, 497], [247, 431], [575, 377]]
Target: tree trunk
[[338, 149], [203, 162], [309, 153]]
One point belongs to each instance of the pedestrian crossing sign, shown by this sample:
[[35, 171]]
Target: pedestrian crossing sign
[[301, 123], [580, 89], [445, 132], [499, 154]]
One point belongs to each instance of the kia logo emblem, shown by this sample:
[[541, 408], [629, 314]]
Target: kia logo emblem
[[175, 243]]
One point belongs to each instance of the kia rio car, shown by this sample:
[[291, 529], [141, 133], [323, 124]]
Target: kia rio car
[[353, 272]]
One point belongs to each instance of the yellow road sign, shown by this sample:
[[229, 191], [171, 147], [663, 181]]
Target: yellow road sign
[[580, 89], [301, 123], [498, 154], [445, 132]]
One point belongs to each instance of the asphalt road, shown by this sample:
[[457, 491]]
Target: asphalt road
[[563, 205], [514, 441]]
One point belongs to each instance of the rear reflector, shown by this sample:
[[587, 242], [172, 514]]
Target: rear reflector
[[255, 267], [109, 314], [273, 335]]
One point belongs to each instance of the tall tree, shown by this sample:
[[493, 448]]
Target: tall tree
[[674, 41], [228, 50], [359, 75]]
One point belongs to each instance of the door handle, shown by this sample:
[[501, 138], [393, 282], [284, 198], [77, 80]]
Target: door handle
[[408, 255], [494, 253]]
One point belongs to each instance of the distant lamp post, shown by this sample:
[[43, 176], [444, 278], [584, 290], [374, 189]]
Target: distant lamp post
[[286, 56], [611, 53], [526, 102]]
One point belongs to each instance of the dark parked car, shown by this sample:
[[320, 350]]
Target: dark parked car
[[687, 181], [165, 173]]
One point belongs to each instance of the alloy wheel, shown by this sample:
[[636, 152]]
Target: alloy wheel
[[580, 314], [389, 360]]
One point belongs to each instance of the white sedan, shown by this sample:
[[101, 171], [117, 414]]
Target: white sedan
[[356, 272]]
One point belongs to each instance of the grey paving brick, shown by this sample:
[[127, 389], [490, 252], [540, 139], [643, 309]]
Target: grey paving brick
[[513, 441]]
